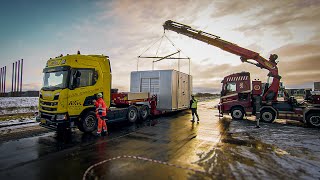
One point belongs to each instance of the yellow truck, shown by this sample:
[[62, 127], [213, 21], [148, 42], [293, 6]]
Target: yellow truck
[[71, 82]]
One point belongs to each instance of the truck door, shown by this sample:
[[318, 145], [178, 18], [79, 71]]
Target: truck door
[[82, 90]]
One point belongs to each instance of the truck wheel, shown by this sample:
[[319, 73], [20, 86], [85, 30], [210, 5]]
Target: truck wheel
[[144, 112], [89, 122], [313, 119], [132, 114], [237, 113], [267, 115]]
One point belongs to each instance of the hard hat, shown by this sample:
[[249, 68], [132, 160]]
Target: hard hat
[[99, 95], [192, 95]]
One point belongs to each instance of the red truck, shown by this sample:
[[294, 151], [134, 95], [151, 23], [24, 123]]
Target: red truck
[[240, 97]]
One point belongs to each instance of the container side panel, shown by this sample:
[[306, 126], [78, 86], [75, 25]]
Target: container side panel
[[135, 82], [184, 95], [165, 95], [174, 90]]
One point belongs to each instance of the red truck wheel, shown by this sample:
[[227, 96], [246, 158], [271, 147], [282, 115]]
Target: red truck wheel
[[267, 115], [313, 119], [237, 113]]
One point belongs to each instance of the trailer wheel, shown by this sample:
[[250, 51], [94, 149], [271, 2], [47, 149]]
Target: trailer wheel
[[144, 112], [237, 113], [89, 122], [132, 114], [267, 115], [313, 119]]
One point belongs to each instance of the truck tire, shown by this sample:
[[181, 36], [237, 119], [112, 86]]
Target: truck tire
[[89, 122], [267, 115], [144, 112], [132, 114], [313, 119], [237, 113]]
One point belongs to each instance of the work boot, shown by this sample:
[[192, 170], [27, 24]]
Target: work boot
[[105, 133], [98, 134], [192, 121]]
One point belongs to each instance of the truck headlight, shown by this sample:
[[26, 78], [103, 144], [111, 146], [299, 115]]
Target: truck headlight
[[56, 96], [61, 116]]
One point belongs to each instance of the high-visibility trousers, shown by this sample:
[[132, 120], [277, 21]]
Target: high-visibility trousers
[[101, 125]]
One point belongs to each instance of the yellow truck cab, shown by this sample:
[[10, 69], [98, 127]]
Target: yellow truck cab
[[70, 84]]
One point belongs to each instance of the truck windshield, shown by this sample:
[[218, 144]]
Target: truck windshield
[[55, 80]]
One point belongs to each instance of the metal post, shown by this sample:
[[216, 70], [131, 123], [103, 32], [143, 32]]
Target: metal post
[[189, 66], [1, 82], [138, 64], [5, 79], [18, 79], [12, 78], [15, 77], [21, 75]]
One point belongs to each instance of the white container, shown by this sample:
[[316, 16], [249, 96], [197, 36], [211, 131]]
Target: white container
[[173, 88]]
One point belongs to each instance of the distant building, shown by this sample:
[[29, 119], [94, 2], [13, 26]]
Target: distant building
[[317, 86], [296, 92], [281, 90]]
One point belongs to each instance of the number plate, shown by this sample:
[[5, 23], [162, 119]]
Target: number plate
[[43, 121]]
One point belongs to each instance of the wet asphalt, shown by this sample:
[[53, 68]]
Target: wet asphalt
[[168, 147]]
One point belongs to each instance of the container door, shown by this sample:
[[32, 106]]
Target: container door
[[150, 85], [183, 95], [145, 85], [154, 86]]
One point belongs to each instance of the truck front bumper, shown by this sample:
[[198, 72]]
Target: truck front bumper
[[52, 121]]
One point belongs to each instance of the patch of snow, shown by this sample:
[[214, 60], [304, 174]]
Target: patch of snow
[[9, 102], [16, 122], [17, 105]]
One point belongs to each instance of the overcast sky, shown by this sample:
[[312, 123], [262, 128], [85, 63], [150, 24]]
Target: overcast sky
[[123, 29]]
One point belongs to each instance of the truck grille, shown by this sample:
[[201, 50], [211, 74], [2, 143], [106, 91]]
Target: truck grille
[[48, 109], [48, 103]]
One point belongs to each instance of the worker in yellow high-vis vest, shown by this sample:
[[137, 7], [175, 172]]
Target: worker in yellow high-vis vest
[[193, 107]]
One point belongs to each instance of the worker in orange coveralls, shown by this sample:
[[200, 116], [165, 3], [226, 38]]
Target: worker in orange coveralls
[[101, 112]]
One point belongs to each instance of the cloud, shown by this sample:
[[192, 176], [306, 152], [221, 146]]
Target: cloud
[[290, 51], [31, 86], [123, 29], [299, 64], [283, 18]]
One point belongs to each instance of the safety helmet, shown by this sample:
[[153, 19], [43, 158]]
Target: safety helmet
[[99, 95]]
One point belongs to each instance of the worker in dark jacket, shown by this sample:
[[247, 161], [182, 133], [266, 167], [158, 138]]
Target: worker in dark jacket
[[101, 113], [193, 107]]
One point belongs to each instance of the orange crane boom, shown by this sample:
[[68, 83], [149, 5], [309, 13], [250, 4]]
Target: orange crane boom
[[271, 91]]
